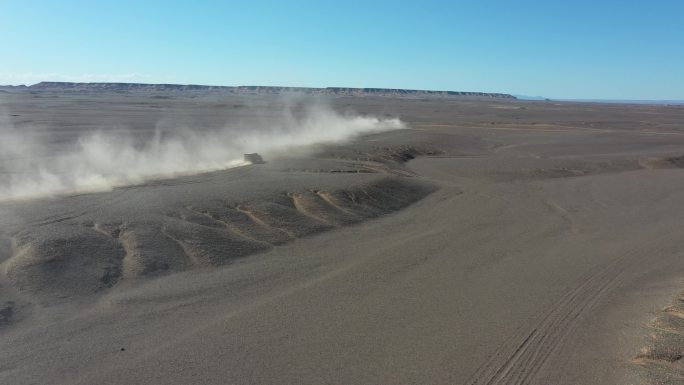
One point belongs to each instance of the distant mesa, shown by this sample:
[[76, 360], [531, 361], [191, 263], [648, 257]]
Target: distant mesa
[[336, 91]]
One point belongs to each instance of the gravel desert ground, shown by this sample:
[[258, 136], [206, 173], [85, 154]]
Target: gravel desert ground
[[478, 241]]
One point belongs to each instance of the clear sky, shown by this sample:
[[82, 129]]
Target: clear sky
[[627, 49]]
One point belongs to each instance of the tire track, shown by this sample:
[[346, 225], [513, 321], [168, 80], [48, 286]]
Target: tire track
[[521, 358]]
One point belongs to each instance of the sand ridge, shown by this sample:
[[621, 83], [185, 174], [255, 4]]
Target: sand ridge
[[59, 261]]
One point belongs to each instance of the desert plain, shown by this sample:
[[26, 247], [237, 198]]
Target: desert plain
[[481, 241]]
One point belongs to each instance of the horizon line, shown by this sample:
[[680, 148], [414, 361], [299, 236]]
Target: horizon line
[[518, 96]]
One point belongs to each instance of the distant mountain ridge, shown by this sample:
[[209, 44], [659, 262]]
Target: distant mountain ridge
[[69, 86]]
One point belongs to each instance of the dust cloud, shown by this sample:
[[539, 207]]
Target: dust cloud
[[31, 166]]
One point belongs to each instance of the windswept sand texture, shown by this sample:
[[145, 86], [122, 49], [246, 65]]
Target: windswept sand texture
[[490, 242]]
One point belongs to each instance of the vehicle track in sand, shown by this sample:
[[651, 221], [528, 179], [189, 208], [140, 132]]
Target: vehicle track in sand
[[520, 359]]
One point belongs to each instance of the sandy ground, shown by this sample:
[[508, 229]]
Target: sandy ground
[[489, 243]]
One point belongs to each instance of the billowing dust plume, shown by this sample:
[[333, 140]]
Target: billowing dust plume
[[31, 166]]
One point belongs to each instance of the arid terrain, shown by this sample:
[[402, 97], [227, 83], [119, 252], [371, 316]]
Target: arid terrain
[[485, 240]]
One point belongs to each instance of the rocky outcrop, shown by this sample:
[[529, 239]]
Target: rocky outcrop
[[81, 257]]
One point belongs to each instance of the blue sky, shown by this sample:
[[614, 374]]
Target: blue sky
[[560, 49]]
